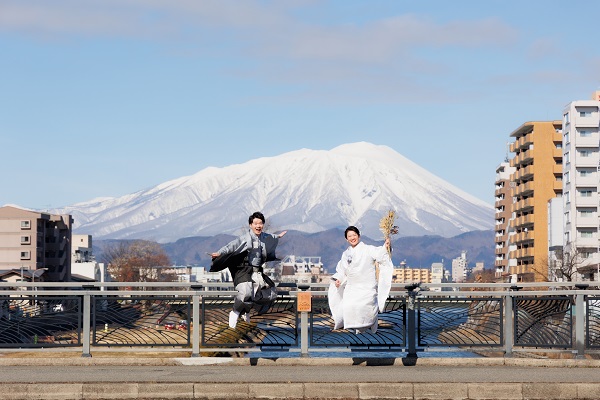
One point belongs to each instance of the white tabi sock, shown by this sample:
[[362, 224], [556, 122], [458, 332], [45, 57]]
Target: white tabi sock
[[233, 317]]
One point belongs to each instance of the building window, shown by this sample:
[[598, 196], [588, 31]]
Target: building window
[[585, 114], [585, 133], [567, 179], [584, 153], [585, 192], [25, 224], [566, 119], [25, 240], [586, 234], [25, 255]]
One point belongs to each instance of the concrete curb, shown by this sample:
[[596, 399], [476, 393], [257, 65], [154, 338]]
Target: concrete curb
[[210, 391]]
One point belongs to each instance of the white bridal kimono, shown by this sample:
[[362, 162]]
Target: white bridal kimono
[[360, 297]]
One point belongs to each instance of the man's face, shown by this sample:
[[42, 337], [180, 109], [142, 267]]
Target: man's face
[[352, 238], [256, 226]]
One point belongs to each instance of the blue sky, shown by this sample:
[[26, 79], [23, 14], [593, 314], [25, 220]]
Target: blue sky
[[108, 97]]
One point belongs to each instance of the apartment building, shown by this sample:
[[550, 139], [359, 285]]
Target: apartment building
[[503, 197], [537, 178], [405, 275], [581, 138], [460, 268], [437, 275], [36, 241]]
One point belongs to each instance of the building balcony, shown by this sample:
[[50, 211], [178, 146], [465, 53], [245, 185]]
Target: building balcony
[[501, 238], [525, 203], [523, 173], [524, 220], [591, 141], [557, 153], [524, 156], [524, 236], [587, 242], [557, 169], [521, 253], [523, 188], [591, 201], [591, 162], [586, 181], [557, 137], [557, 186], [587, 222]]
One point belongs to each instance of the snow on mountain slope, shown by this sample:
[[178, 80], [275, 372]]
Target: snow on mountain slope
[[306, 190]]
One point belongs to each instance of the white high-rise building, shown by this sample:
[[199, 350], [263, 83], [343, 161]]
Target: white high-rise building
[[437, 275], [581, 177], [459, 268]]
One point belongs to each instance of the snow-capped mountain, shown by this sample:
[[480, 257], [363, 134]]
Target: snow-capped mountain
[[305, 190]]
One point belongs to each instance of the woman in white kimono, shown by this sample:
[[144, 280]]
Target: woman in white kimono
[[356, 293]]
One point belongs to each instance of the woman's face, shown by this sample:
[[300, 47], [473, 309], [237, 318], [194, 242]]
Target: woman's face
[[353, 238], [257, 226]]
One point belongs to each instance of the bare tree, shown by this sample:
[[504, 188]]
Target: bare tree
[[566, 264], [138, 261]]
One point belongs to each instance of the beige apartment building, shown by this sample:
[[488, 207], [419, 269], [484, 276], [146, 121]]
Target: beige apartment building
[[36, 241], [537, 178], [405, 275]]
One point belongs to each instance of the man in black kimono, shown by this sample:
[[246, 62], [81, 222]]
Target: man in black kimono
[[245, 257]]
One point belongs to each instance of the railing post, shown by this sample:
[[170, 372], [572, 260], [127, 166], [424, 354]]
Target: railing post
[[580, 321], [509, 325], [304, 306], [411, 326], [195, 322], [87, 310]]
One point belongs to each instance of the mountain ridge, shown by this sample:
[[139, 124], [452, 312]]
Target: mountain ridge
[[416, 251]]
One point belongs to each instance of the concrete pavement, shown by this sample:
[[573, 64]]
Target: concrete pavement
[[127, 377]]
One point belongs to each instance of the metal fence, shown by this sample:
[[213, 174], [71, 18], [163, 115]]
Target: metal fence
[[498, 317]]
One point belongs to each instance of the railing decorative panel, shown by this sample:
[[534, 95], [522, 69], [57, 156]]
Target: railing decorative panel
[[276, 327], [543, 321], [141, 321], [460, 321], [390, 332], [593, 322], [40, 321]]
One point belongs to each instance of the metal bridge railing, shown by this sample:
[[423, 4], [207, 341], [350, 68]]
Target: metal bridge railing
[[194, 318]]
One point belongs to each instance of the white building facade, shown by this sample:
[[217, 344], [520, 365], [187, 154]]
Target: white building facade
[[581, 178]]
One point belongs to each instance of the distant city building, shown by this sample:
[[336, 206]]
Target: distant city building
[[459, 268], [83, 263], [300, 270], [437, 275], [581, 148], [538, 159], [405, 275], [479, 267], [35, 241]]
